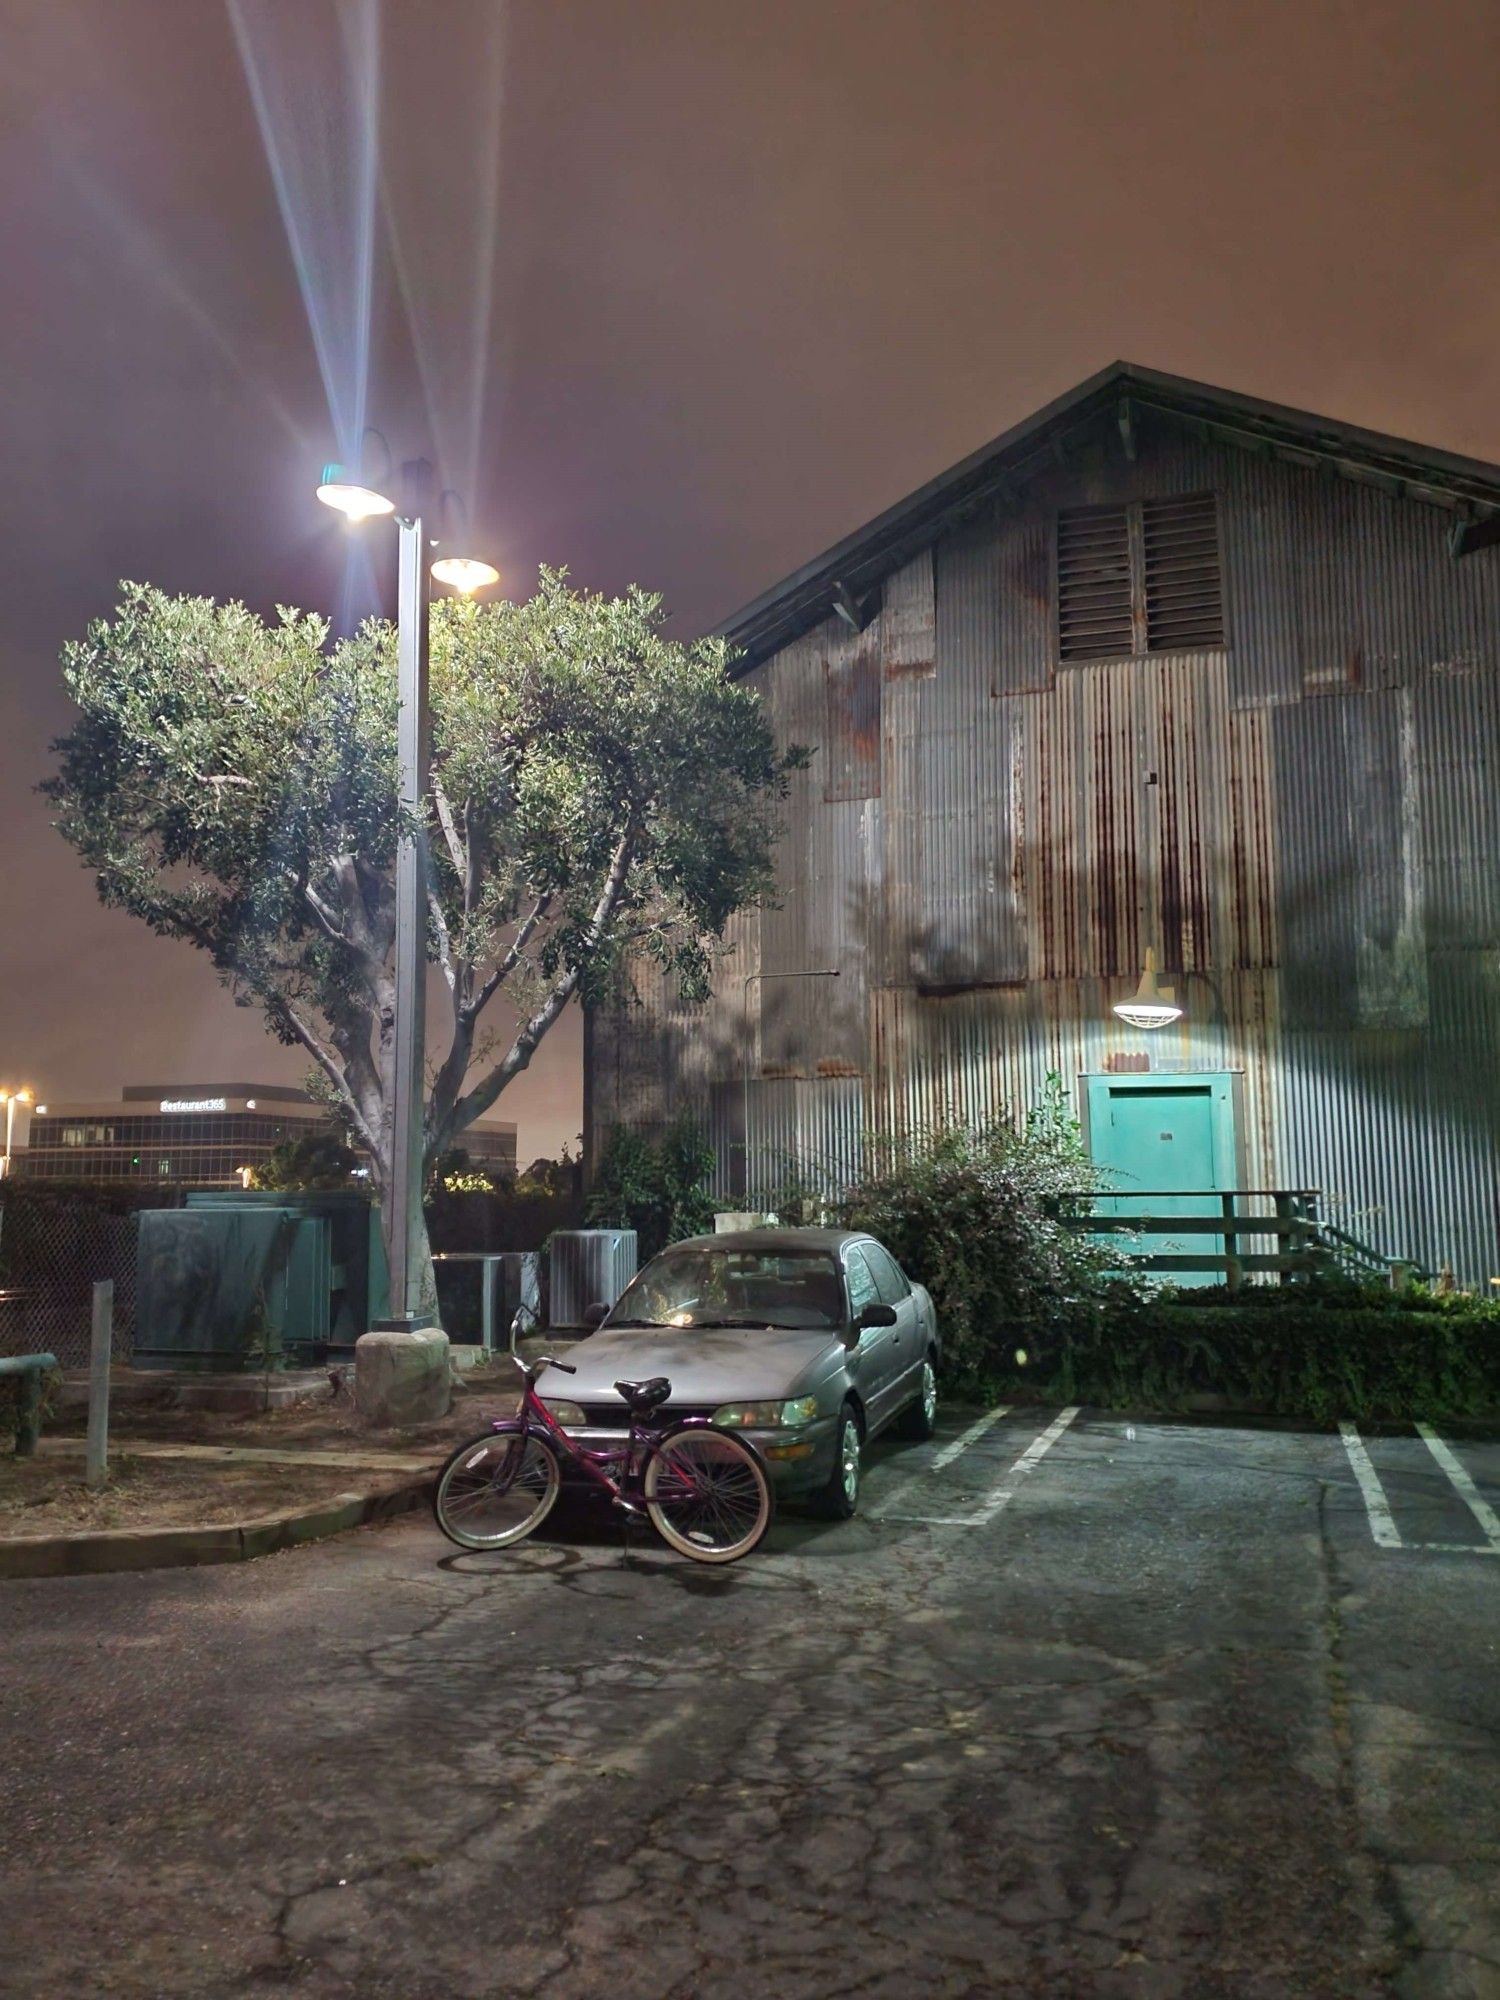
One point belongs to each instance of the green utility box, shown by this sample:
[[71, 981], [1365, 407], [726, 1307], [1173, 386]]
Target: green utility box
[[242, 1279]]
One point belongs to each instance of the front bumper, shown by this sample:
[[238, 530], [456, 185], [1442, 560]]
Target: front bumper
[[799, 1460]]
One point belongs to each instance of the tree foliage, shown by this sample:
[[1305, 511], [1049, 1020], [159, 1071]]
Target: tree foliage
[[315, 1162], [596, 789], [656, 1186]]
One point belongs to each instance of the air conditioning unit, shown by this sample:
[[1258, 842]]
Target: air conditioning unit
[[589, 1266], [481, 1291]]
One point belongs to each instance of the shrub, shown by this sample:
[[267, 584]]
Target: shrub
[[506, 1212], [657, 1187], [980, 1218], [1297, 1357], [315, 1162]]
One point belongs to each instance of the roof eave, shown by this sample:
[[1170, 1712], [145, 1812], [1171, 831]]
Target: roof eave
[[855, 565]]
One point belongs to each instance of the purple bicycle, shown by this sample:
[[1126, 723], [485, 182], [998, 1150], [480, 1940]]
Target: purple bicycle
[[704, 1489]]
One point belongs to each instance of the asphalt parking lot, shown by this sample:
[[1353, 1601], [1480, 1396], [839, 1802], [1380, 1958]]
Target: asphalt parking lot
[[1074, 1706]]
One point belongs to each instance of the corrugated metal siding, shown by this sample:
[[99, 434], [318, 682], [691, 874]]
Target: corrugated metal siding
[[1305, 824]]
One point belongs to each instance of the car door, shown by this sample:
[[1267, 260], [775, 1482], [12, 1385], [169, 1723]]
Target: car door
[[875, 1362], [907, 1334]]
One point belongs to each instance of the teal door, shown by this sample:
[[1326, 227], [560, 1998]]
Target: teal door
[[1167, 1143]]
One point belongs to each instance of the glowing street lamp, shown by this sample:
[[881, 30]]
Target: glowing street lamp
[[465, 574], [358, 503], [347, 497], [11, 1099], [1152, 1005]]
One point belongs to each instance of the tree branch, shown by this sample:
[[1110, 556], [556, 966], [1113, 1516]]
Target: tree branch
[[445, 948], [498, 974], [327, 922], [456, 850], [521, 1050]]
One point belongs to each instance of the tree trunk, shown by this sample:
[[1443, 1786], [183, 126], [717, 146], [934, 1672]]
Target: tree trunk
[[421, 1261]]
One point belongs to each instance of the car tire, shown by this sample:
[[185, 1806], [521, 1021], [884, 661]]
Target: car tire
[[838, 1500], [918, 1421]]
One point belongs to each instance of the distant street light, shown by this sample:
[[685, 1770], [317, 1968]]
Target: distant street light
[[10, 1099], [359, 502]]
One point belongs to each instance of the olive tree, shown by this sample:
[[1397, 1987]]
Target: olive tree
[[596, 790]]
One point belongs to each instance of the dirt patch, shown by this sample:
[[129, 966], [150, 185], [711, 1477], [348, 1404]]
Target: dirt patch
[[46, 1495], [331, 1425]]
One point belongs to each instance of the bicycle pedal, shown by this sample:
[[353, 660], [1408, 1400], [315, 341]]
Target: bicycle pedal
[[631, 1508]]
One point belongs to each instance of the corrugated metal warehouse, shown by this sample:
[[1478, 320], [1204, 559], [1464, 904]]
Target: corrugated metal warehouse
[[1162, 668]]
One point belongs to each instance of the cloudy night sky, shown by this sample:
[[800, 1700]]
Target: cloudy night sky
[[679, 291]]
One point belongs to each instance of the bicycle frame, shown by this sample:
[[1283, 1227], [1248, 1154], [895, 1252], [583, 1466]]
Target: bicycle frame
[[601, 1466]]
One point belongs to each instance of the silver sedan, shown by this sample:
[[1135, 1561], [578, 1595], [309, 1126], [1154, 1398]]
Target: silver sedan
[[810, 1341]]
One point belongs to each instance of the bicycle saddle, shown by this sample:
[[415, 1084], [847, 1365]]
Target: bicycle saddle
[[645, 1395]]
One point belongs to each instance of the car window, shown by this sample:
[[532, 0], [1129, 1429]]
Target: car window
[[777, 1287], [889, 1281], [862, 1289]]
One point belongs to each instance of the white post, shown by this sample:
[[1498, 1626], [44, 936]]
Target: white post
[[96, 1453]]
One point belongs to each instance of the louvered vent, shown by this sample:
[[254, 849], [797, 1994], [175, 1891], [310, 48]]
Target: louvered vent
[[1184, 590], [1093, 584]]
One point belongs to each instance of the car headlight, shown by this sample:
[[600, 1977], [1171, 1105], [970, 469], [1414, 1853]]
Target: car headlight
[[565, 1413], [766, 1416]]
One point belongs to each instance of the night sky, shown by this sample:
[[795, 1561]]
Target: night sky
[[753, 273]]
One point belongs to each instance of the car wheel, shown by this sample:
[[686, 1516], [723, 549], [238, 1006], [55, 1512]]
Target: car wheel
[[919, 1419], [840, 1497]]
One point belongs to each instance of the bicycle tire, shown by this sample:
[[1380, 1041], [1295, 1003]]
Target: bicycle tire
[[477, 1472], [690, 1522]]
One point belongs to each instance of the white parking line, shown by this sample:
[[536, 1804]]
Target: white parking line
[[1382, 1522], [965, 1438], [946, 1456], [1033, 1455], [1468, 1492]]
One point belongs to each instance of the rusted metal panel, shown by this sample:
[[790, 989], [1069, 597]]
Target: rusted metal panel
[[804, 1134], [852, 686], [994, 599], [908, 639], [1458, 743], [1349, 879]]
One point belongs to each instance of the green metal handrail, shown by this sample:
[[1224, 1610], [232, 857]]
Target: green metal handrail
[[1303, 1245]]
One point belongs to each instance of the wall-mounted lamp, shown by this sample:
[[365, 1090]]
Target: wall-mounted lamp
[[1152, 1005]]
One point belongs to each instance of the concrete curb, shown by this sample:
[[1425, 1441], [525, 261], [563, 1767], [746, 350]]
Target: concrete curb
[[113, 1549]]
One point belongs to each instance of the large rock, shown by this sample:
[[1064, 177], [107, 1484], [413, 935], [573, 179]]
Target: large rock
[[402, 1377]]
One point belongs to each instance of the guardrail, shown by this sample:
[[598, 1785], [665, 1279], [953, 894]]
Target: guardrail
[[1302, 1244]]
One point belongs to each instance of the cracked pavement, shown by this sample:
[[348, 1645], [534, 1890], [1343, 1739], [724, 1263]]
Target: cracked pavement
[[1170, 1724]]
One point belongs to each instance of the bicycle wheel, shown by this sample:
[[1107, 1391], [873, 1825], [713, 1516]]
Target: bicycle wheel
[[707, 1494], [497, 1489]]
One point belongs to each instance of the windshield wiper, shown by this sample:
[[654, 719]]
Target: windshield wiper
[[762, 1324]]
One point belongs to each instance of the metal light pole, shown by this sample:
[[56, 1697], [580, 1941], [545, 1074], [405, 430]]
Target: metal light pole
[[403, 1192], [817, 972]]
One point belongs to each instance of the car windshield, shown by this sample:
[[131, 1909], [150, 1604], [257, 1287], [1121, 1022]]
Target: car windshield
[[706, 1287]]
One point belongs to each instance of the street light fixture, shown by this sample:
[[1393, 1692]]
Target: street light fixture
[[10, 1099], [359, 503]]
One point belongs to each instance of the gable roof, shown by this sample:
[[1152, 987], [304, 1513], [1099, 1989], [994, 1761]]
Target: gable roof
[[843, 578]]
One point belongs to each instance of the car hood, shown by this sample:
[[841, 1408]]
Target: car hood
[[728, 1364]]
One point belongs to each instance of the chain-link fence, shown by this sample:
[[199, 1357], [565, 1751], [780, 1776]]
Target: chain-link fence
[[53, 1247]]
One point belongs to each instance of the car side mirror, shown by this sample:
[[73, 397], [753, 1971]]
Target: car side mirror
[[596, 1314], [877, 1314]]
